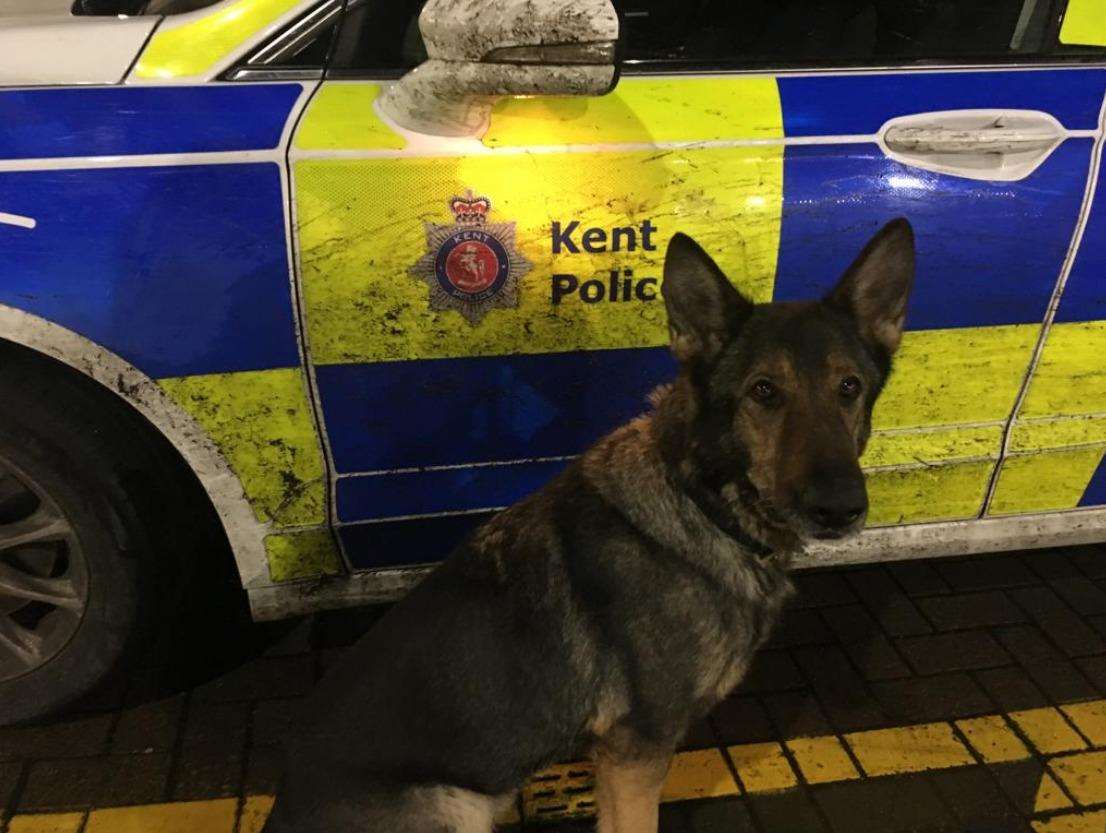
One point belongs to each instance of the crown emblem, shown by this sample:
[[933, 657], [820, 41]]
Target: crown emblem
[[473, 265], [470, 210]]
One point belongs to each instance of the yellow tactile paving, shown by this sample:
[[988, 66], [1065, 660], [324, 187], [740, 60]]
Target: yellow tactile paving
[[822, 760], [993, 739], [1047, 730], [762, 767], [215, 816], [1090, 719], [1049, 796], [1084, 775], [1076, 823], [699, 774], [255, 810], [908, 749], [47, 823]]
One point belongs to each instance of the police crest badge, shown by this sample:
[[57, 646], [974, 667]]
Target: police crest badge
[[471, 266]]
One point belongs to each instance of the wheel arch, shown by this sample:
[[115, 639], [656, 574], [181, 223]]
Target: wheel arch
[[244, 532]]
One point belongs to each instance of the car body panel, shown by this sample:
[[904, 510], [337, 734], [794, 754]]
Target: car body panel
[[1084, 23], [197, 46], [1055, 456], [119, 255], [435, 422], [109, 195], [11, 9], [833, 104], [320, 300], [122, 121], [54, 49]]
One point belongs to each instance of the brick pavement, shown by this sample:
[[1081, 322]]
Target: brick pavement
[[946, 695]]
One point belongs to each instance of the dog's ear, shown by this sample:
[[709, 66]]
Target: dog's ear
[[875, 288], [704, 308]]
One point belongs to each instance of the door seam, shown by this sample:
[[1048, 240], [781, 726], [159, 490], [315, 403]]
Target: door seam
[[1093, 168]]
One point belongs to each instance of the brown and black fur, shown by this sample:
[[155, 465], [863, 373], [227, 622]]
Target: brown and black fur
[[608, 611]]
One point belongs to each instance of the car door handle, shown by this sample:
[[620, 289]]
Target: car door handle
[[994, 139], [997, 145]]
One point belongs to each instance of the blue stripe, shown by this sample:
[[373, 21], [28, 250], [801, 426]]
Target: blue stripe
[[404, 543], [447, 411], [1095, 493], [442, 490], [123, 121], [835, 105], [987, 252], [1084, 296], [179, 270]]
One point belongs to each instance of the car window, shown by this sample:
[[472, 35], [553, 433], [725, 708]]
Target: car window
[[797, 33], [300, 49], [382, 38]]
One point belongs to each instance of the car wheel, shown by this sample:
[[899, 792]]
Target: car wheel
[[69, 592], [106, 536]]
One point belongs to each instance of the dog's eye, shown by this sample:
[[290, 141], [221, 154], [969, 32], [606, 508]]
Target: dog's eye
[[850, 387], [763, 390]]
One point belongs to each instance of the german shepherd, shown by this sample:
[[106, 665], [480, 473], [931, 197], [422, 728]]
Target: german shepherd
[[604, 614]]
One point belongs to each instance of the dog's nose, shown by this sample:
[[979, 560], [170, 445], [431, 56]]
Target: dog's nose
[[836, 503]]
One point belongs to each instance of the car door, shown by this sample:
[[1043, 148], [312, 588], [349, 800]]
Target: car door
[[196, 236], [722, 126], [1054, 450]]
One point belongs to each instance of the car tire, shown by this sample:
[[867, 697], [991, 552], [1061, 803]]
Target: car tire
[[87, 492]]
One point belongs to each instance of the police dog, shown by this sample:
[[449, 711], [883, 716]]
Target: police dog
[[604, 614]]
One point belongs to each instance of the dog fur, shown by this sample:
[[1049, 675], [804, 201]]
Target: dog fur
[[607, 612]]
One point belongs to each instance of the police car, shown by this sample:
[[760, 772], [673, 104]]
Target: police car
[[321, 284]]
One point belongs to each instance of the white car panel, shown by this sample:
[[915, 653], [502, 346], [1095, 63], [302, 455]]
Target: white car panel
[[70, 50]]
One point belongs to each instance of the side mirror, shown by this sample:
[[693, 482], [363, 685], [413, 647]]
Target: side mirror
[[480, 49]]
